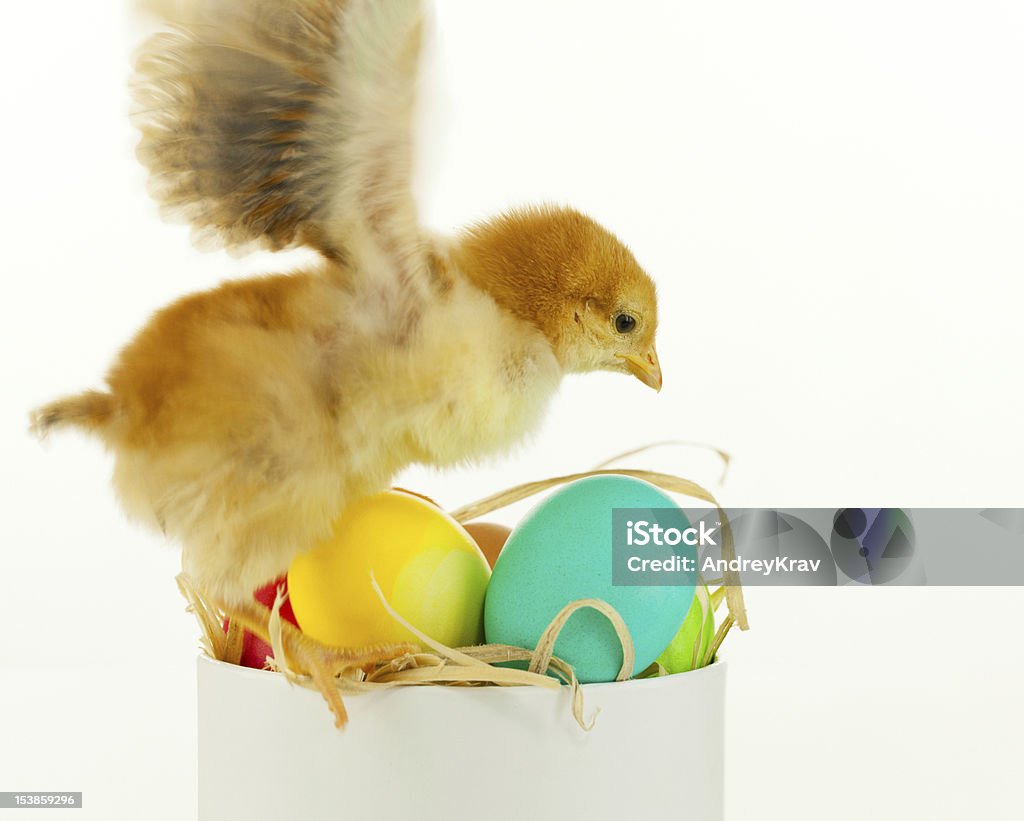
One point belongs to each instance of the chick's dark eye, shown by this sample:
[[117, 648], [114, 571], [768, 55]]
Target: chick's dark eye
[[624, 323]]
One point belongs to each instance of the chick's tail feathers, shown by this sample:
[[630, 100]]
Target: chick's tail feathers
[[91, 411]]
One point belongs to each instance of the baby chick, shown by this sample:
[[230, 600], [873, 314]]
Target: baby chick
[[244, 418]]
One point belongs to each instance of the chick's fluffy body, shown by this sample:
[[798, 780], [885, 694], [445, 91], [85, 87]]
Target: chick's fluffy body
[[243, 418]]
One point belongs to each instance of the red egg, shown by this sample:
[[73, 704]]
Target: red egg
[[254, 649]]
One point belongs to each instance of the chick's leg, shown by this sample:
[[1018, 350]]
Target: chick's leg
[[322, 662]]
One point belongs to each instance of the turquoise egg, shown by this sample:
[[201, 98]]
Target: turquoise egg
[[561, 552]]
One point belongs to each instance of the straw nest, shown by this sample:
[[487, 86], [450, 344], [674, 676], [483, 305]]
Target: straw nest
[[476, 666]]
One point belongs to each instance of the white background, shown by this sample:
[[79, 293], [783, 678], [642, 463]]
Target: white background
[[829, 196]]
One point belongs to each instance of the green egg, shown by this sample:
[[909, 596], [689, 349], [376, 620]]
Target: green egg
[[561, 552], [693, 639]]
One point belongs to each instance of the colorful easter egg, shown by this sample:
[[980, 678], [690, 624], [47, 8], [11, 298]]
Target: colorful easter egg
[[562, 552], [490, 538], [428, 568], [688, 648]]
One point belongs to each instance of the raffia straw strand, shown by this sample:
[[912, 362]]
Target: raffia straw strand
[[546, 644], [233, 645], [457, 672], [483, 671], [498, 653], [724, 455], [436, 646], [213, 639], [515, 494], [276, 635], [731, 578], [723, 631]]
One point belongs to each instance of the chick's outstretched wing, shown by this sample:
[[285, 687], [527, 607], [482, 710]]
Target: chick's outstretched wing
[[280, 123]]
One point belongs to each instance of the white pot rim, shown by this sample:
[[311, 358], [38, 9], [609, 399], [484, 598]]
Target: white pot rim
[[713, 670]]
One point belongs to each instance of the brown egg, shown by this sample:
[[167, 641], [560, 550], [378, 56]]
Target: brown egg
[[489, 537]]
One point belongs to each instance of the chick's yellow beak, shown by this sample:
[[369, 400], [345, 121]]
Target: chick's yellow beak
[[644, 367]]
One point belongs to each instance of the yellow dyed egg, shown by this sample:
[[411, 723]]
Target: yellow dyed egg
[[428, 567]]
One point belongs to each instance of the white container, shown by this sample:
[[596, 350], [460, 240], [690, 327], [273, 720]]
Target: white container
[[268, 750]]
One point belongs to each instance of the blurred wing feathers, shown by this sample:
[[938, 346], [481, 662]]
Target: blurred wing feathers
[[288, 122]]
